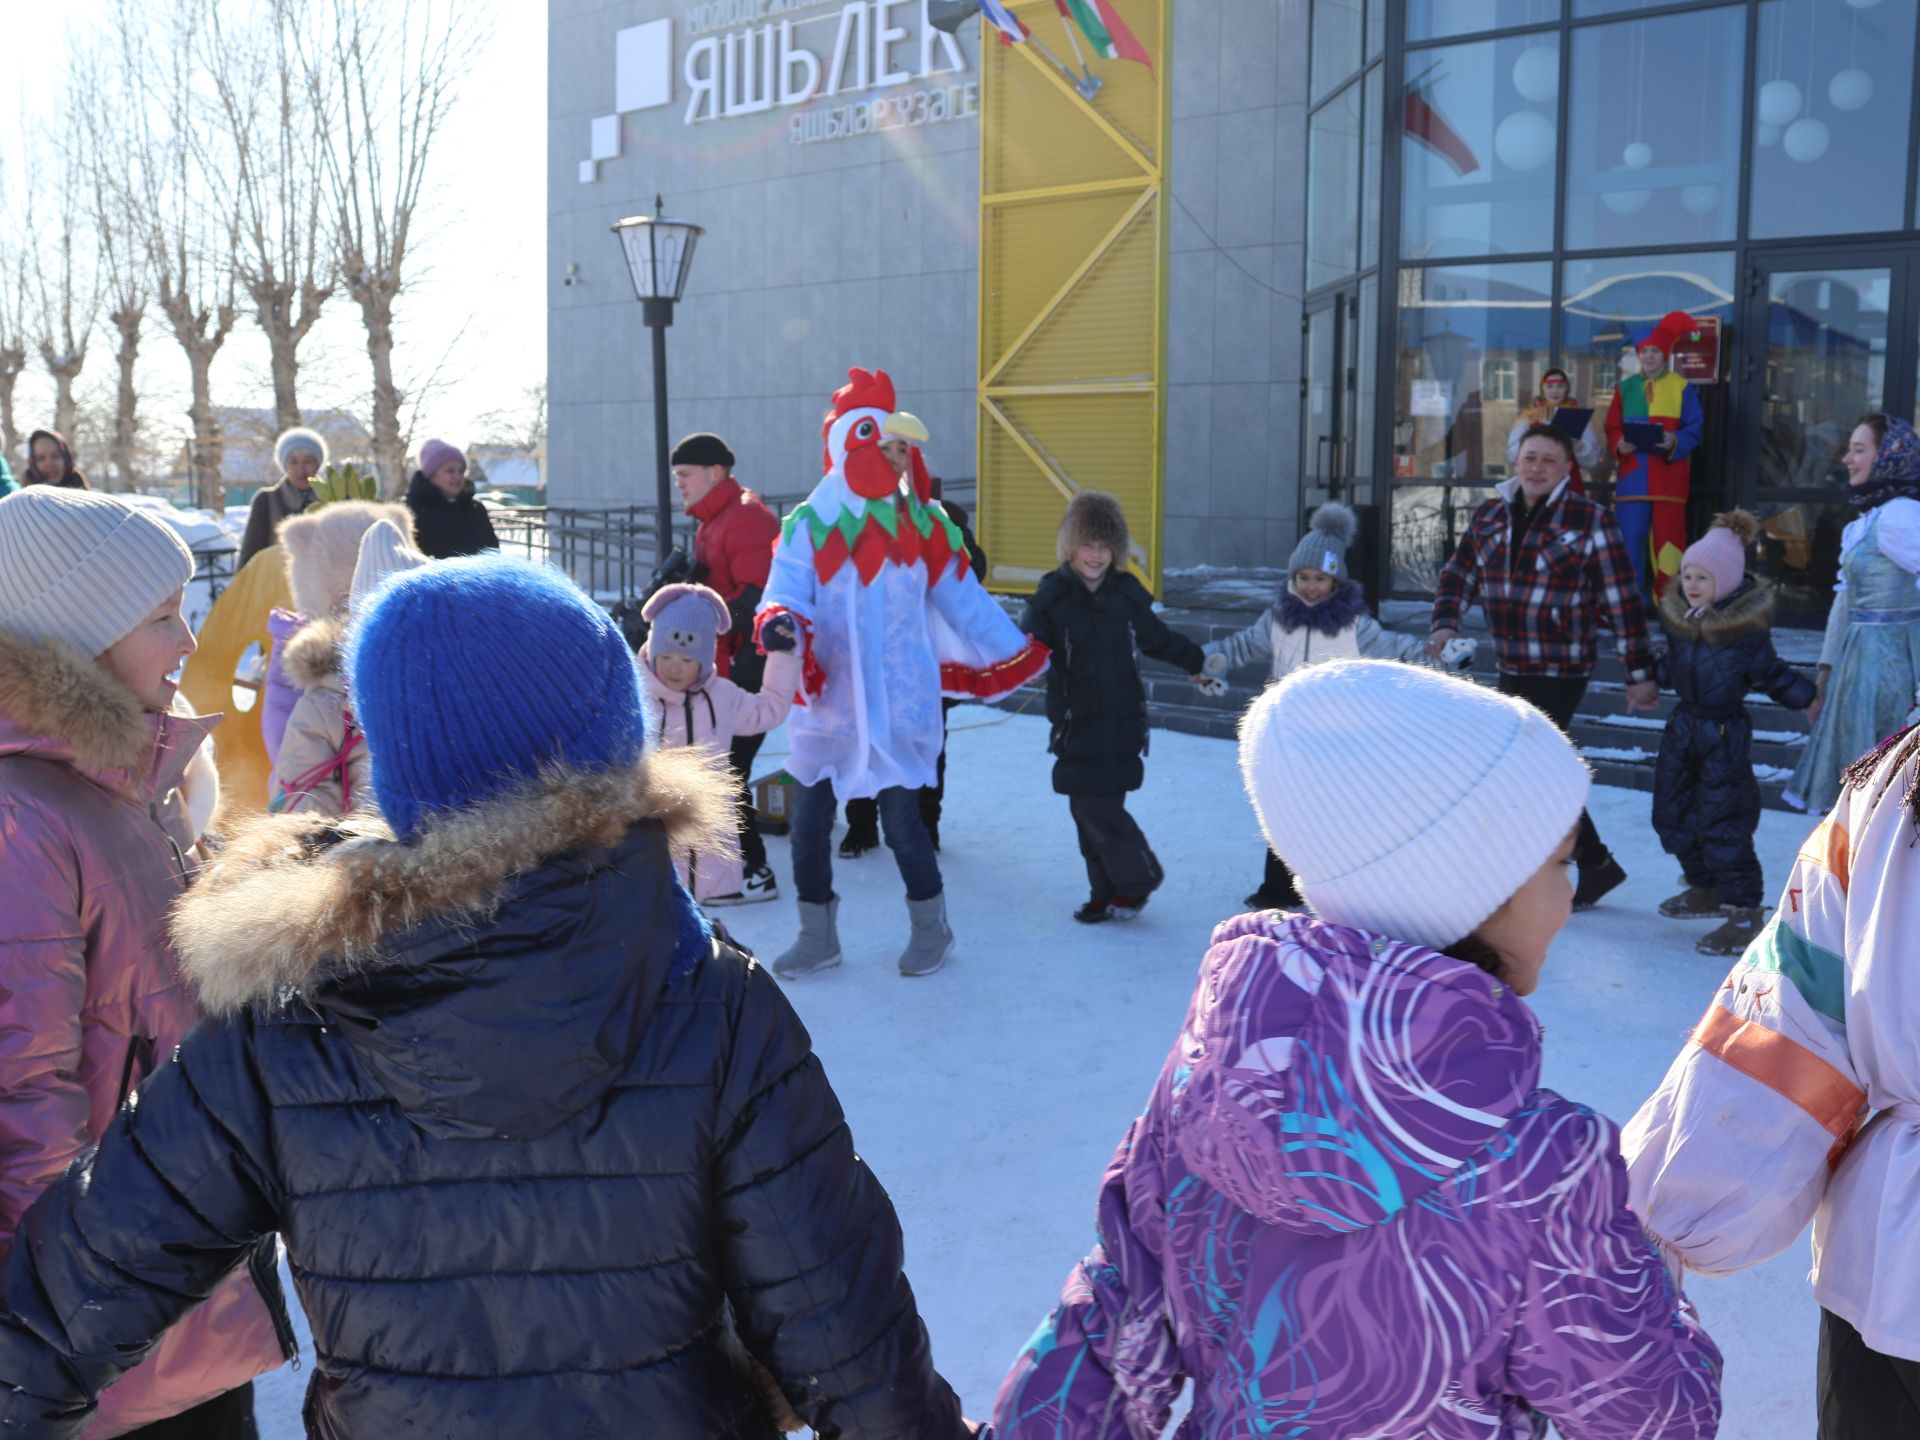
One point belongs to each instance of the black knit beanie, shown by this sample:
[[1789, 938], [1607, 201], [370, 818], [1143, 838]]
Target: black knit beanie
[[702, 449]]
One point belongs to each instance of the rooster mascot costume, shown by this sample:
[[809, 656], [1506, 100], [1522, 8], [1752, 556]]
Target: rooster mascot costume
[[870, 580], [1650, 495]]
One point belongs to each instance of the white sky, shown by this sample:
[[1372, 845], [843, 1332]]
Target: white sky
[[478, 250]]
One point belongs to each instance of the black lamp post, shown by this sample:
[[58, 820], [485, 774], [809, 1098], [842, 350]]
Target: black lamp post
[[659, 253]]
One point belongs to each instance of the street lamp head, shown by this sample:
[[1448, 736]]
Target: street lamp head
[[659, 252]]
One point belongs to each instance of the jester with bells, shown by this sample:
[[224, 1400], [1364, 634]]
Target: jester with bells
[[1650, 492], [871, 581]]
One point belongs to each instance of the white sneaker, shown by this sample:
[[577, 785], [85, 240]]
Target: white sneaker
[[760, 885]]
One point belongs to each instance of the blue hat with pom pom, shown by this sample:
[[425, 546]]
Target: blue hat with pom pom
[[472, 676]]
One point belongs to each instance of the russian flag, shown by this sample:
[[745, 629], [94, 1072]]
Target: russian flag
[[1003, 19]]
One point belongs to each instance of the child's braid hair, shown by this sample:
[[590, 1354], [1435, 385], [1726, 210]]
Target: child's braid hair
[[1903, 745]]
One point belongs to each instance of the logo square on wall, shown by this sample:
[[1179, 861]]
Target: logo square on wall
[[643, 66]]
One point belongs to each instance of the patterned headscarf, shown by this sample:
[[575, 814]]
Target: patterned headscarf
[[1896, 469]]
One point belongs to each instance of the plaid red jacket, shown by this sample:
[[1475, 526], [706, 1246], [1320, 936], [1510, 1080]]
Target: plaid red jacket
[[1545, 610]]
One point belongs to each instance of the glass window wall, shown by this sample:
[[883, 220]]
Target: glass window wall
[[1833, 92], [1460, 325], [1333, 189], [1438, 19], [1654, 131], [1370, 168], [1336, 44], [1477, 153]]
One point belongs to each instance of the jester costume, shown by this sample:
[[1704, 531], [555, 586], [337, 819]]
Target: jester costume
[[1650, 494]]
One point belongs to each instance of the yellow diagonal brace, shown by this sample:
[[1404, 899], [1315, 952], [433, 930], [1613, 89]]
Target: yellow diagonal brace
[[1055, 192], [1107, 242], [1086, 387], [1060, 482], [1112, 131]]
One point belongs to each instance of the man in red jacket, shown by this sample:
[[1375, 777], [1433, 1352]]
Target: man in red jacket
[[732, 550]]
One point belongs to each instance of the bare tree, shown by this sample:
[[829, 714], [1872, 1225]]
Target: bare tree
[[380, 78], [523, 426], [64, 283], [13, 313], [275, 185], [189, 243], [100, 95]]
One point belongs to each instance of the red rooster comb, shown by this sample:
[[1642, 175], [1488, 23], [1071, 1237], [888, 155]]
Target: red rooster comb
[[864, 390]]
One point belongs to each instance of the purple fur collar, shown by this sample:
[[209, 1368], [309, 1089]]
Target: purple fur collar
[[1332, 615]]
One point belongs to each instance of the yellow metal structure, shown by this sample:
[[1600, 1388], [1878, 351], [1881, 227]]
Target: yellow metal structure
[[1073, 289]]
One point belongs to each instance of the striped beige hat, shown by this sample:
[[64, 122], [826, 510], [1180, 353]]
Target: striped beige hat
[[79, 566]]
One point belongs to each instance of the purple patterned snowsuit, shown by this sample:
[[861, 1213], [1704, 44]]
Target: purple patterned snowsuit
[[1349, 1210]]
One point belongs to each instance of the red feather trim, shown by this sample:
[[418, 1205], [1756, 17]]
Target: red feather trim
[[963, 682], [870, 549]]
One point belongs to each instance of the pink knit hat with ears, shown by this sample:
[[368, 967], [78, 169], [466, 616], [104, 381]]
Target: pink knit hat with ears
[[1722, 551]]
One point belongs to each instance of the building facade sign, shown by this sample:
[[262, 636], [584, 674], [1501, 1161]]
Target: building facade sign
[[751, 57]]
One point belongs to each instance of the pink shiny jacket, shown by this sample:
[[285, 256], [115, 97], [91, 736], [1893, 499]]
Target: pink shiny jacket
[[96, 843]]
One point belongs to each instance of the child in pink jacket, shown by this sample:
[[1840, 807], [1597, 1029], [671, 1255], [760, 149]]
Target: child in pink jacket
[[689, 704]]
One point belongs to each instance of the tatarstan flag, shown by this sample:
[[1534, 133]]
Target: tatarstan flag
[[1106, 32]]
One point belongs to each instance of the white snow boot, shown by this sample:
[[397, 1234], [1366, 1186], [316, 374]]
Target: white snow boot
[[817, 947], [932, 939]]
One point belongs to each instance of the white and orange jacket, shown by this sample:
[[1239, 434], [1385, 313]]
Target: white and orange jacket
[[1798, 1095]]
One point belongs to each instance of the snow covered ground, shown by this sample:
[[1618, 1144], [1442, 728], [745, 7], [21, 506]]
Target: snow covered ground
[[989, 1097]]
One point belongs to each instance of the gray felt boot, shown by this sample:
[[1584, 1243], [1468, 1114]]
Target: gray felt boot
[[932, 938], [818, 945]]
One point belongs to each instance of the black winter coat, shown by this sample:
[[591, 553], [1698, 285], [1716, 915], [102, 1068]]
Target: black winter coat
[[447, 528], [1704, 793], [548, 1161], [1096, 701]]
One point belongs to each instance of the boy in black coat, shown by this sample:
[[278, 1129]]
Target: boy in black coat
[[1706, 803], [1092, 613], [548, 1159]]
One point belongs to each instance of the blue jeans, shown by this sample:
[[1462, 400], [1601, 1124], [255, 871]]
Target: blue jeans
[[814, 809]]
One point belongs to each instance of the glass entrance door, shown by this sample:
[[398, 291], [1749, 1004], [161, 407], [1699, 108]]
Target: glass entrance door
[[1822, 348], [1336, 391]]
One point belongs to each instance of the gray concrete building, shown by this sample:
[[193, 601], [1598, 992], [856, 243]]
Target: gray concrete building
[[825, 249]]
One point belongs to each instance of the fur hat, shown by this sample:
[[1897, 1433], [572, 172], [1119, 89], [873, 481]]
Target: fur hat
[[685, 620], [385, 550], [299, 438], [1722, 551], [323, 547], [1094, 518], [1408, 804], [1324, 546]]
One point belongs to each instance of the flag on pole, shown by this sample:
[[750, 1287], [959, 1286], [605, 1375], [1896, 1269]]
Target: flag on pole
[[1012, 31], [1106, 32], [1425, 123]]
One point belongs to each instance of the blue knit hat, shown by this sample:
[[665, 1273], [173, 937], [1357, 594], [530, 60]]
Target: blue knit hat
[[470, 676]]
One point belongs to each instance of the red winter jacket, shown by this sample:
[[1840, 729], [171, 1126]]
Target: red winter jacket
[[734, 547]]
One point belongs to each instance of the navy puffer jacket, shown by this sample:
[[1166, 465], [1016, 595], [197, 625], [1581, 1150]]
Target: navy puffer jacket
[[547, 1159], [1704, 792]]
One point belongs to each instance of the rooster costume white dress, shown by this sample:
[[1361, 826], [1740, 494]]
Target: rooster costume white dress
[[891, 615], [875, 581]]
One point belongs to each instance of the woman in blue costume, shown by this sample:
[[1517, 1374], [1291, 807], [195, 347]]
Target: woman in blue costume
[[1872, 650]]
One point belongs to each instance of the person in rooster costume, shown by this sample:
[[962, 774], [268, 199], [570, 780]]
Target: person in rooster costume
[[1650, 493], [871, 581]]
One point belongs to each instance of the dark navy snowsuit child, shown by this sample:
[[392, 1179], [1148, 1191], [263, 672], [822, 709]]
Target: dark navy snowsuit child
[[1706, 803]]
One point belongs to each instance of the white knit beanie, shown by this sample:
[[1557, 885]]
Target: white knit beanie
[[384, 551], [1408, 803], [83, 567], [298, 437]]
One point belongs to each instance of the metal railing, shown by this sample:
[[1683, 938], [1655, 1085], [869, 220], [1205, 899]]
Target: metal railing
[[610, 553]]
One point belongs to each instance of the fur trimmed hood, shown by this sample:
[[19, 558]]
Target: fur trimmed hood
[[323, 546], [296, 897], [1346, 604], [316, 655], [58, 704], [1748, 609]]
